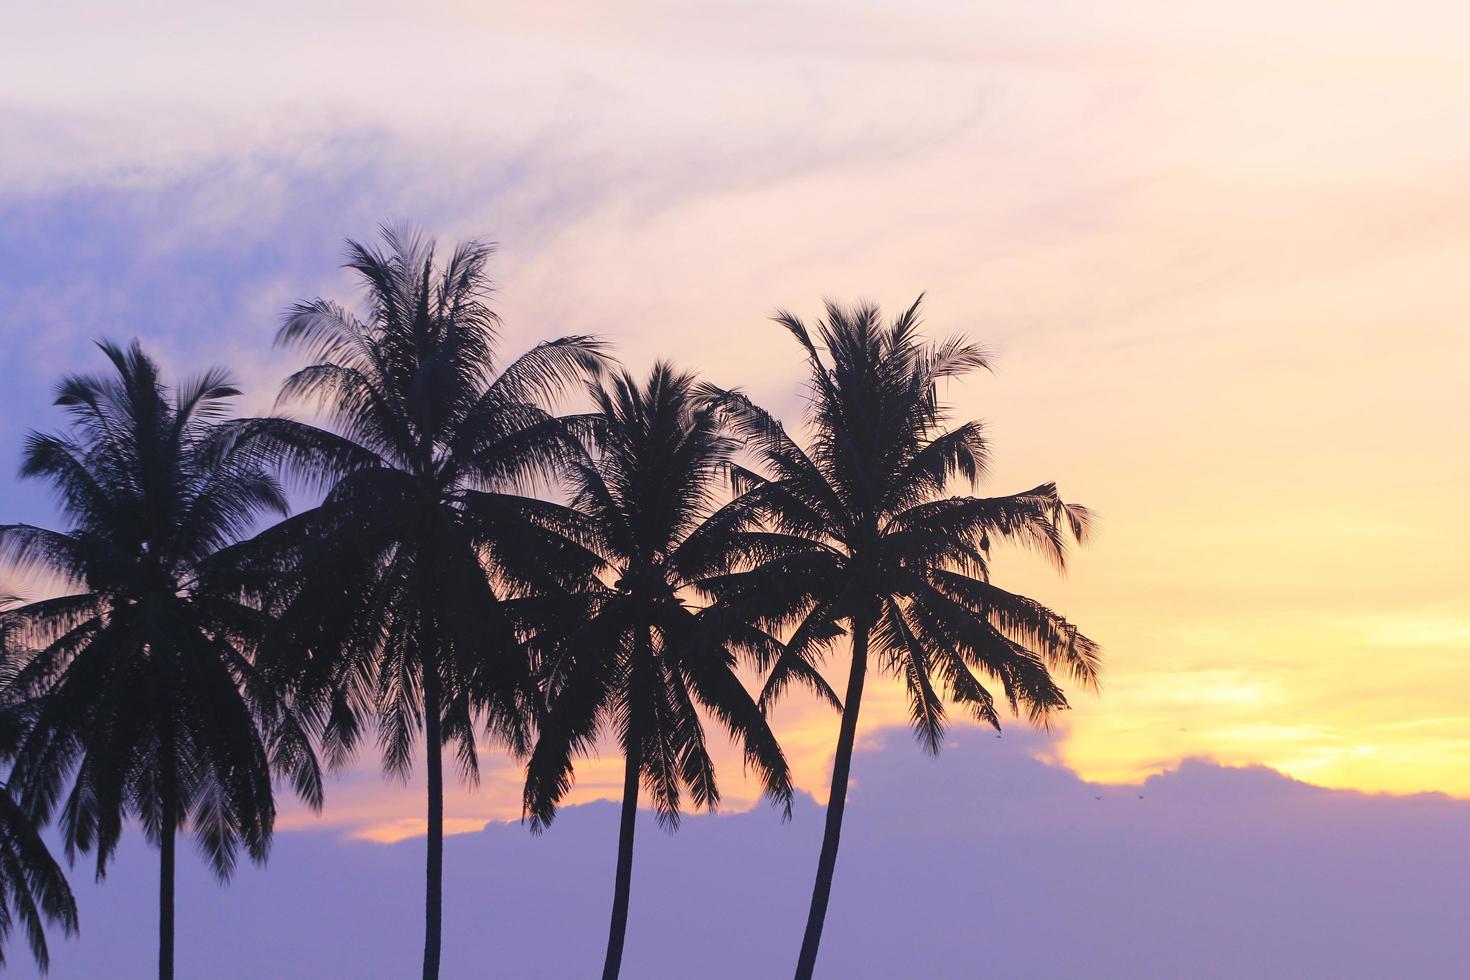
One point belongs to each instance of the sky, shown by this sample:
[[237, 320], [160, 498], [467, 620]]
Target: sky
[[1216, 249]]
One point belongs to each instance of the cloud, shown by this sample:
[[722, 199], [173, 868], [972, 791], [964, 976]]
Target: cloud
[[982, 861]]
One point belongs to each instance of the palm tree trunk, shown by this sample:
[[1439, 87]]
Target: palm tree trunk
[[624, 880], [169, 803], [434, 866], [836, 803]]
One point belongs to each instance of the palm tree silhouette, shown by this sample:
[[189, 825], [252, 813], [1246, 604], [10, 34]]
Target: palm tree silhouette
[[643, 662], [141, 688], [407, 595], [32, 885], [904, 567]]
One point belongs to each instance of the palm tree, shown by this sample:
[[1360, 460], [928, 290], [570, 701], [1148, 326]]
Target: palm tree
[[406, 597], [32, 885], [889, 558], [642, 661], [145, 697]]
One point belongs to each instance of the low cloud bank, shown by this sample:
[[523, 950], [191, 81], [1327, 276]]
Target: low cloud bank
[[984, 861]]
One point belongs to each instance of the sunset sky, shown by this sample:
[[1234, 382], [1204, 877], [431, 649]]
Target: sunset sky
[[1218, 249]]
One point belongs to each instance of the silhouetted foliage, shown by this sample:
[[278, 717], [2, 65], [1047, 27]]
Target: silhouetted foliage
[[642, 661], [33, 889], [139, 687], [441, 590], [867, 542], [408, 598]]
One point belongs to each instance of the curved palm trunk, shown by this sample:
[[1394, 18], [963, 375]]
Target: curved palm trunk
[[169, 804], [836, 803], [434, 865], [623, 882]]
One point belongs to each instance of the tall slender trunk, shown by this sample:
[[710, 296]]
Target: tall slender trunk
[[168, 802], [434, 865], [623, 882], [836, 803]]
